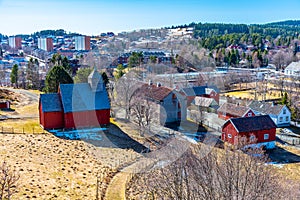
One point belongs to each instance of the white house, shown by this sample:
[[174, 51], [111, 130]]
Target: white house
[[292, 69], [280, 114]]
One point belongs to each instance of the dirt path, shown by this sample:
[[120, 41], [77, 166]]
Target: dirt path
[[26, 105], [116, 190]]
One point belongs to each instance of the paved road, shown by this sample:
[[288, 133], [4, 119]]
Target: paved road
[[33, 97]]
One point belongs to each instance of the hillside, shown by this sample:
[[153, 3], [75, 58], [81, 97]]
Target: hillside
[[285, 23]]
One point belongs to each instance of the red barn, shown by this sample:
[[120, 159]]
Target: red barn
[[259, 130], [229, 110], [4, 104], [76, 105]]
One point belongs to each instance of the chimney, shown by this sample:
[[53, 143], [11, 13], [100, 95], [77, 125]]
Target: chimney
[[150, 82], [158, 84]]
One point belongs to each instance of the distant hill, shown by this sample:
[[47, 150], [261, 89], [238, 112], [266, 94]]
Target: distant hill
[[273, 30], [285, 23]]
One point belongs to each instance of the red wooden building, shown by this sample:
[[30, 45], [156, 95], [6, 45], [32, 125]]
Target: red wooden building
[[4, 104], [229, 110], [258, 130], [76, 105]]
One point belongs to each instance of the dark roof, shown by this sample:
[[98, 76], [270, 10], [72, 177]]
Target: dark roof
[[194, 91], [154, 92], [265, 107], [50, 102], [256, 123], [233, 109], [80, 97]]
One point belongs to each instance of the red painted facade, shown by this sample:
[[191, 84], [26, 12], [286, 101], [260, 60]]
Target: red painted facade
[[51, 120], [18, 42], [227, 116], [49, 44], [87, 118], [213, 94], [87, 42], [5, 104], [230, 134]]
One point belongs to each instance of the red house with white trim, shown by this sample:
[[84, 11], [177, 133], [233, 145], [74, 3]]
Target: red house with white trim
[[76, 105], [258, 130], [229, 110], [4, 104]]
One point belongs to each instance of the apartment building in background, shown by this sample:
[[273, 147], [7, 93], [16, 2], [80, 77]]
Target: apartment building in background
[[45, 44], [15, 42], [82, 43]]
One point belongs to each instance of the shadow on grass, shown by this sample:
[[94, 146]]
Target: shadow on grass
[[187, 126], [113, 137], [281, 155]]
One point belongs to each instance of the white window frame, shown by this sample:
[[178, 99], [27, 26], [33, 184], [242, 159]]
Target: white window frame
[[229, 135], [249, 114], [252, 138], [266, 136]]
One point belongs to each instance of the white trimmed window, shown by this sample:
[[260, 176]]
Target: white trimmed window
[[229, 136], [249, 114], [252, 138], [266, 136]]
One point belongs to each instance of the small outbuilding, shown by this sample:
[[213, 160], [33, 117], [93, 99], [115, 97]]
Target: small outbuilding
[[4, 104]]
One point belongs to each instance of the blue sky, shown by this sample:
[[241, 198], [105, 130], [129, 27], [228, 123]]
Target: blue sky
[[92, 17]]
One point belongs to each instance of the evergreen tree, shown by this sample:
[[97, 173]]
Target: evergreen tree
[[82, 75], [57, 75], [120, 72], [32, 74], [14, 75], [135, 59], [105, 78], [285, 99]]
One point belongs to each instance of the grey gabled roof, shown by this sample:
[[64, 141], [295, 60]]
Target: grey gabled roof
[[265, 108], [80, 97], [248, 124], [233, 109], [50, 102], [204, 102], [294, 66]]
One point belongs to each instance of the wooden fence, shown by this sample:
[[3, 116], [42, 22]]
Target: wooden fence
[[21, 130]]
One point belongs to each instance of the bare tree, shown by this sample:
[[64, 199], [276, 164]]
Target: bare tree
[[220, 174], [125, 90], [8, 181]]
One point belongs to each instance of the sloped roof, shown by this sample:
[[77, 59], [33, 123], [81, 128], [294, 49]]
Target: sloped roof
[[294, 66], [265, 108], [194, 91], [94, 75], [204, 101], [256, 123], [233, 109], [80, 97], [50, 102], [154, 92]]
